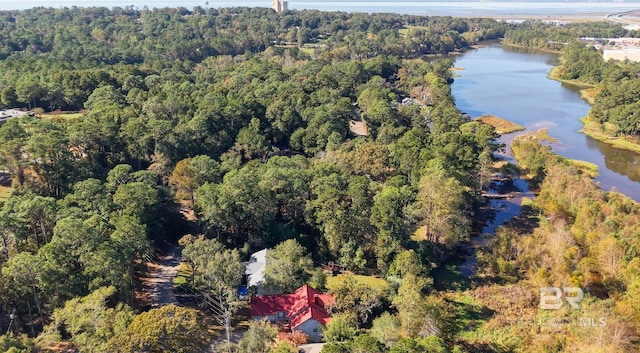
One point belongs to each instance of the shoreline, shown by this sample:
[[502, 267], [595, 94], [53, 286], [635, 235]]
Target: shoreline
[[588, 91], [529, 48], [593, 129]]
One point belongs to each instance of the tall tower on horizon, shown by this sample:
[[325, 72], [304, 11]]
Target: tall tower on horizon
[[280, 5]]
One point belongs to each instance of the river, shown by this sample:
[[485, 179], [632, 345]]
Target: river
[[512, 83]]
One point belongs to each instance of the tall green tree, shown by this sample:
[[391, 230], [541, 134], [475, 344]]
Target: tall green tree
[[366, 344], [288, 266], [13, 156], [24, 272], [340, 329], [441, 206], [388, 215], [238, 207], [29, 219], [137, 199], [386, 328], [52, 160], [16, 344], [91, 196], [422, 315], [250, 143], [410, 304], [287, 180], [219, 272]]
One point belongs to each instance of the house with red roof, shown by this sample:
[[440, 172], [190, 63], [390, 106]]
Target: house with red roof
[[305, 310]]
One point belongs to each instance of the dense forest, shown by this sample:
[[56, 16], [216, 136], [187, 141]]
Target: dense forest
[[230, 130]]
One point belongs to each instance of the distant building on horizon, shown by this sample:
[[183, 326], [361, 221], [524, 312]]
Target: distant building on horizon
[[280, 5]]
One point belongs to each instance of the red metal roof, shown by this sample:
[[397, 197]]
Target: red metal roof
[[303, 304]]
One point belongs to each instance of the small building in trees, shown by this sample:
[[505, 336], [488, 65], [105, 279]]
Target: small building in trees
[[254, 272], [304, 310]]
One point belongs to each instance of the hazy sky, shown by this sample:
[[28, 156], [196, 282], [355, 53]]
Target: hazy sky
[[433, 7]]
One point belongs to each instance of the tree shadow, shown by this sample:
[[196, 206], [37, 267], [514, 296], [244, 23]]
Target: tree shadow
[[448, 277]]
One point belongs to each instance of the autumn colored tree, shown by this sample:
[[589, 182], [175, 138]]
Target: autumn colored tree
[[89, 320], [191, 173], [354, 300], [168, 329], [259, 338]]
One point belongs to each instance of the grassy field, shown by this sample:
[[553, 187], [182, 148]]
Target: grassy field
[[586, 167], [5, 192], [502, 126], [62, 115], [405, 31], [371, 281], [307, 50], [604, 133], [589, 94]]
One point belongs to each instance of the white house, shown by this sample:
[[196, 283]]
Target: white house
[[255, 271]]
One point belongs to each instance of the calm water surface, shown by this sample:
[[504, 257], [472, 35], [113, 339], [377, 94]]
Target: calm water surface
[[513, 84]]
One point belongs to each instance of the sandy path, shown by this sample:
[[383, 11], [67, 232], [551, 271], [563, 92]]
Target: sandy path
[[162, 273]]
